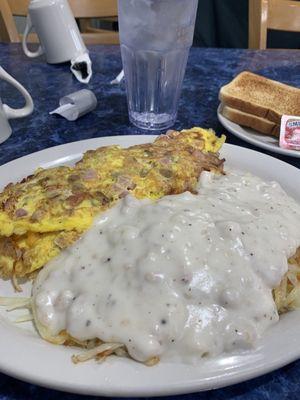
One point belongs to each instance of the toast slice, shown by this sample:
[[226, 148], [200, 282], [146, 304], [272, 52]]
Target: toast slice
[[265, 98], [251, 121]]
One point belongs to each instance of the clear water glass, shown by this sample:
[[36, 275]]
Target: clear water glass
[[155, 36]]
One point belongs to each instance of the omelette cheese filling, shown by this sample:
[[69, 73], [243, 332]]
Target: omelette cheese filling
[[186, 277], [51, 209]]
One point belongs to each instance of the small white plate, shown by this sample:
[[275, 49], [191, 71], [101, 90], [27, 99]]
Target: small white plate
[[257, 139], [25, 356]]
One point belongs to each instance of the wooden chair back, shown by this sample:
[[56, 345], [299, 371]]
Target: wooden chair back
[[8, 29], [83, 10], [281, 15]]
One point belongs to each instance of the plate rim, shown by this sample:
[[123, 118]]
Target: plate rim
[[188, 387], [234, 128]]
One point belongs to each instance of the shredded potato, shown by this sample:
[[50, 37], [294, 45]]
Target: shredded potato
[[99, 353], [287, 294]]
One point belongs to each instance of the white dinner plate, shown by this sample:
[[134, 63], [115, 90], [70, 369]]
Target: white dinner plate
[[257, 139], [25, 356]]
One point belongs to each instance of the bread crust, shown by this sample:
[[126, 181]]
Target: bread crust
[[259, 124]]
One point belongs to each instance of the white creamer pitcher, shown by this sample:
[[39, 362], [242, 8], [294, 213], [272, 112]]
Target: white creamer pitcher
[[59, 36]]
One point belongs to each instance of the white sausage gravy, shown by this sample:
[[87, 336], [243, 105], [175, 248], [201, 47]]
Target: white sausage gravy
[[184, 277]]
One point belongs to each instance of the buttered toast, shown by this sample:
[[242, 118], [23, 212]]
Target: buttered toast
[[261, 97]]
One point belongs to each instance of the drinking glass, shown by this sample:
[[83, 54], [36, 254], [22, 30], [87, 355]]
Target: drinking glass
[[155, 36]]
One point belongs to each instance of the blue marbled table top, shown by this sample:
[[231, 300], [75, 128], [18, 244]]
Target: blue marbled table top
[[207, 71]]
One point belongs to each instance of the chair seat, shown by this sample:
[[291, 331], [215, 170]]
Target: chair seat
[[101, 36], [32, 38]]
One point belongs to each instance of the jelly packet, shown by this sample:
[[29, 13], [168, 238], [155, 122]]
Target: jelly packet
[[290, 132]]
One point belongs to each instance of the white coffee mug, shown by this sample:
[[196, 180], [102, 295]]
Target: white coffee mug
[[58, 33], [7, 112]]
